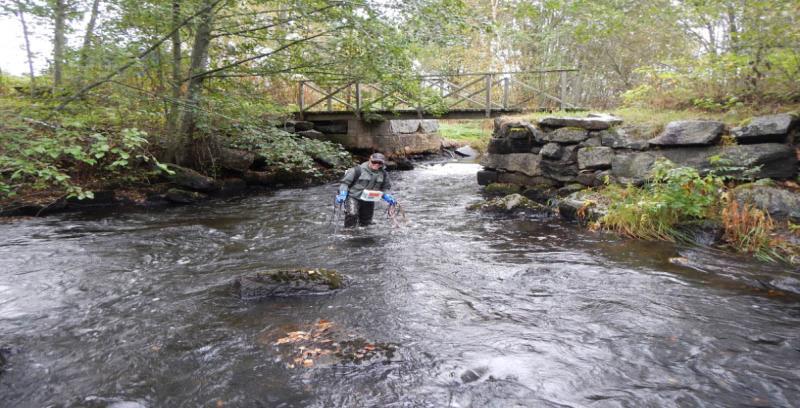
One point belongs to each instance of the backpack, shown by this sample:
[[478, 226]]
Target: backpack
[[357, 175]]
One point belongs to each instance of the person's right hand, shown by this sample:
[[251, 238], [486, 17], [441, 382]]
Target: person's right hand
[[341, 197]]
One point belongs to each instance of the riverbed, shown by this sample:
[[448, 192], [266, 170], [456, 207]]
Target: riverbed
[[135, 309]]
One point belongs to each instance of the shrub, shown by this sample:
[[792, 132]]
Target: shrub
[[288, 152], [672, 196], [748, 229]]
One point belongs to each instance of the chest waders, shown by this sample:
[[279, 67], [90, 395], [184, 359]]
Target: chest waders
[[359, 212]]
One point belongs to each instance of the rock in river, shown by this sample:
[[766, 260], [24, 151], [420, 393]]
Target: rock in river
[[287, 282]]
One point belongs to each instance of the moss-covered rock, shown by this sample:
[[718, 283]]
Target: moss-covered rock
[[583, 206], [287, 282], [501, 189]]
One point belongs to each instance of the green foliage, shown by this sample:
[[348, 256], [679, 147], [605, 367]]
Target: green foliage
[[671, 197], [288, 152], [60, 159]]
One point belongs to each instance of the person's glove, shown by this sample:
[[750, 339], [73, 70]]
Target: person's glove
[[389, 199], [341, 197]]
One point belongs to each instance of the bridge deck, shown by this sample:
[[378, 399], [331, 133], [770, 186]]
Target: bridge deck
[[409, 114], [413, 114]]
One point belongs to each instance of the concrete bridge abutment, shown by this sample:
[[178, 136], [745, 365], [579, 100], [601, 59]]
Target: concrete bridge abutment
[[393, 137]]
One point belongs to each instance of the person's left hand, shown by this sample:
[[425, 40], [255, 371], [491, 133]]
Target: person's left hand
[[389, 199]]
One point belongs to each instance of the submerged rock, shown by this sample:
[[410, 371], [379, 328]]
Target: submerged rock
[[287, 282], [501, 189], [323, 344], [510, 203], [467, 151], [179, 196]]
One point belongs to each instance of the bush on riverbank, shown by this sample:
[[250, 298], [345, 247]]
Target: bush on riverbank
[[45, 158], [675, 198]]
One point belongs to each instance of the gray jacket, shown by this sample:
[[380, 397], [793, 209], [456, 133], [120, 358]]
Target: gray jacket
[[369, 180]]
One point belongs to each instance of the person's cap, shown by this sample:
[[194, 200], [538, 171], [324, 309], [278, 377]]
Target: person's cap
[[377, 157]]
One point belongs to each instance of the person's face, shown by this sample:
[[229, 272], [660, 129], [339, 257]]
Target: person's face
[[375, 165]]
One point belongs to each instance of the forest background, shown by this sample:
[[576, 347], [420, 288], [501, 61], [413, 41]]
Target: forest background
[[130, 85]]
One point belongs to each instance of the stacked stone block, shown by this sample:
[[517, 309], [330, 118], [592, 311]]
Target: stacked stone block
[[591, 150]]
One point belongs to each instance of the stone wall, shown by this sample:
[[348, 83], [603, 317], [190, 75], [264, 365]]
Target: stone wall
[[590, 150]]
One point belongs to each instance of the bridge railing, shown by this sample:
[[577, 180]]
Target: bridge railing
[[488, 92]]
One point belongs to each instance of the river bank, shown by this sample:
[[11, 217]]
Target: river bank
[[739, 184]]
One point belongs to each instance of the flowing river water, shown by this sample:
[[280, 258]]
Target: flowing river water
[[135, 309]]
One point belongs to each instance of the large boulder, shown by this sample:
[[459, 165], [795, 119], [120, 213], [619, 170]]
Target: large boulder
[[767, 129], [566, 136], [505, 127], [633, 168], [179, 196], [287, 282], [588, 123], [582, 206], [626, 137], [551, 151], [192, 180], [510, 203], [486, 177], [778, 202], [595, 158], [689, 133], [767, 160], [525, 163], [235, 159], [560, 171], [467, 151]]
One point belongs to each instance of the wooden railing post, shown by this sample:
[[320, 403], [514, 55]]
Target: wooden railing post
[[505, 92], [563, 93], [330, 100], [301, 98], [488, 95]]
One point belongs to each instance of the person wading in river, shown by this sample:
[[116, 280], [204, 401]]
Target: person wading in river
[[361, 187]]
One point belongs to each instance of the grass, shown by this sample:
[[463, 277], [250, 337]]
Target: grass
[[475, 133]]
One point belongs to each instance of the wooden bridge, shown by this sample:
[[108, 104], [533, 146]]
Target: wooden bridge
[[458, 96]]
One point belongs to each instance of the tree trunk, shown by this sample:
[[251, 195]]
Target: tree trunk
[[58, 43], [21, 15], [202, 40], [87, 38], [174, 113]]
